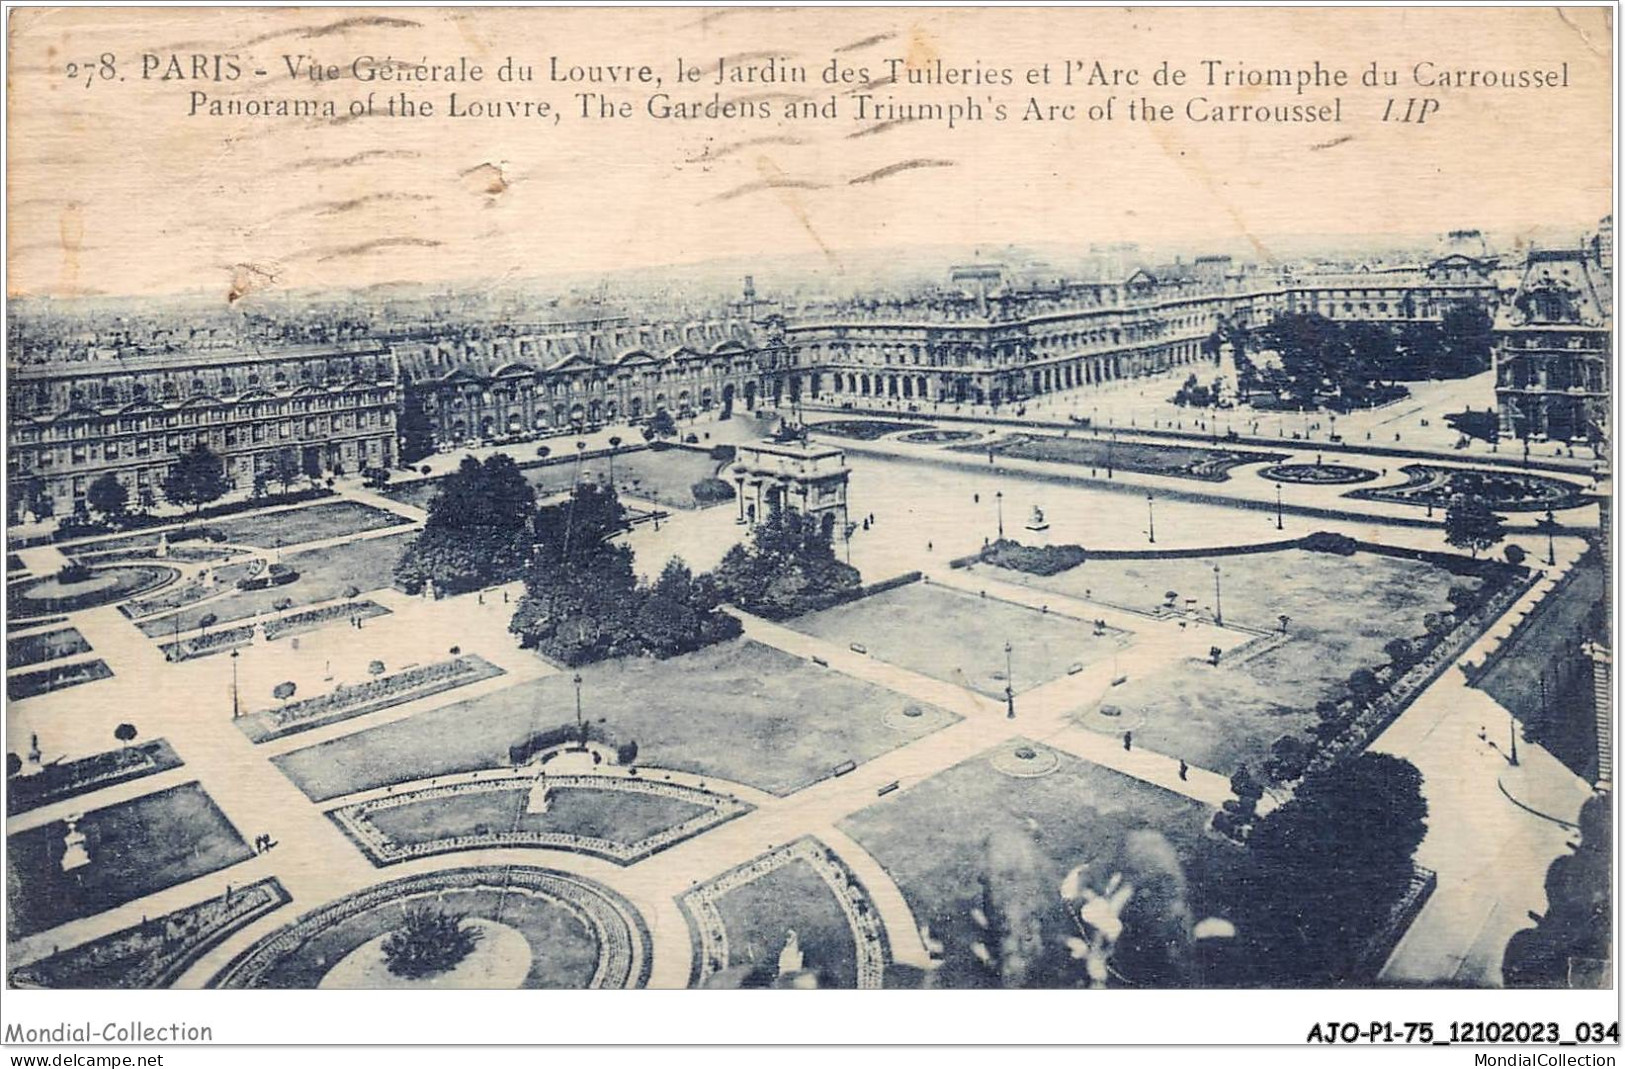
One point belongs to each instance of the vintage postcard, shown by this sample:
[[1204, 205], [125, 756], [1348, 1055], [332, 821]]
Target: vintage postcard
[[1070, 499]]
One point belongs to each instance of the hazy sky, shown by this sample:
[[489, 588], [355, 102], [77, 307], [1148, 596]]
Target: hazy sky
[[114, 189]]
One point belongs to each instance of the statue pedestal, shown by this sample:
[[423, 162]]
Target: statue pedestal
[[75, 855], [539, 796]]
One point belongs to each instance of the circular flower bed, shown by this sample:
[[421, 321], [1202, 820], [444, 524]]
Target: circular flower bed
[[49, 595], [1504, 491], [578, 933], [865, 429], [911, 719], [1317, 474], [1026, 760], [939, 436]]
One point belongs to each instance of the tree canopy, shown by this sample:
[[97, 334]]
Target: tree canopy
[[1470, 524], [107, 495], [478, 532], [583, 601], [788, 568], [1330, 863]]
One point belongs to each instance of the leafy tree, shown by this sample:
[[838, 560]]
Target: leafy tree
[[197, 478], [582, 599], [429, 941], [1577, 927], [311, 465], [416, 431], [125, 733], [579, 527], [1364, 684], [285, 467], [14, 764], [1466, 333], [1469, 524], [478, 531], [1328, 866], [661, 425], [1401, 653], [108, 496]]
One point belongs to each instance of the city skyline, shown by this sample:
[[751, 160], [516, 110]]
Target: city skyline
[[301, 204]]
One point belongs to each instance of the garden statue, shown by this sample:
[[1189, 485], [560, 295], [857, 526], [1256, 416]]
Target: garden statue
[[1037, 522], [34, 750], [540, 795], [790, 958], [74, 854], [163, 546]]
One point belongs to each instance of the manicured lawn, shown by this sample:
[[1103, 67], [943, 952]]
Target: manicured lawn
[[865, 429], [56, 677], [66, 779], [38, 648], [759, 915], [367, 563], [47, 595], [618, 816], [1341, 610], [933, 838], [959, 638], [556, 915], [740, 710], [156, 953], [1185, 462], [1429, 484], [310, 523], [664, 476], [136, 848]]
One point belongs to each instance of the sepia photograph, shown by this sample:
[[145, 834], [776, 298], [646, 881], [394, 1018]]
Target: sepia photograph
[[883, 499]]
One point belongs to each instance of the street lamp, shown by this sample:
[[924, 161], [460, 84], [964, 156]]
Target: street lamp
[[1550, 524], [1009, 686], [581, 727], [236, 709], [1218, 598], [1150, 518], [1279, 524], [998, 497]]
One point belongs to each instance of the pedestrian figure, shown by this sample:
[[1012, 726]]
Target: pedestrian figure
[[482, 597], [1184, 769], [976, 499], [1128, 740], [929, 547]]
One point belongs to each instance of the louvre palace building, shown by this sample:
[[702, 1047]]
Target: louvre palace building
[[335, 404]]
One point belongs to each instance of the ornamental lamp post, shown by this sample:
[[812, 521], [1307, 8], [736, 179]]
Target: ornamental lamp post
[[1009, 686], [1279, 524], [1150, 518], [236, 708], [1550, 524], [998, 497], [1218, 599], [581, 727]]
